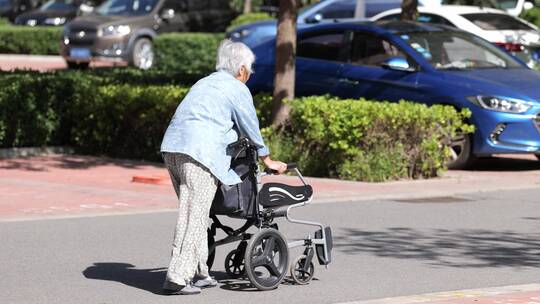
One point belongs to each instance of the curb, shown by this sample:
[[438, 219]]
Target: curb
[[26, 57], [34, 151], [459, 295]]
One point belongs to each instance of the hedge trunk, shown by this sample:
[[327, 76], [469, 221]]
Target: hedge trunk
[[409, 10], [285, 60]]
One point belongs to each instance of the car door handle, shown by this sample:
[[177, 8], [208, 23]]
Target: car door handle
[[349, 81]]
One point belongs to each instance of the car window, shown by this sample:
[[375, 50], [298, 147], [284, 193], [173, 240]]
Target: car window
[[423, 17], [338, 10], [176, 5], [59, 5], [126, 7], [489, 21], [392, 17], [5, 3], [326, 46], [458, 51], [368, 49], [431, 18]]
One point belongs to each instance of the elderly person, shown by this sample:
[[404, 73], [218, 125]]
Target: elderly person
[[216, 111]]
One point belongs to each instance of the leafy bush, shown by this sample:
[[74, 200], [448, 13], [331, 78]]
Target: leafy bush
[[349, 139], [248, 18], [4, 22], [532, 15], [125, 121], [370, 141], [187, 53], [30, 40], [185, 56]]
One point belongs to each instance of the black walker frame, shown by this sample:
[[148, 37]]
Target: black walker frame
[[263, 256]]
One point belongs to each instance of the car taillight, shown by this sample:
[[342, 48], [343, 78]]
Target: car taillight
[[511, 47]]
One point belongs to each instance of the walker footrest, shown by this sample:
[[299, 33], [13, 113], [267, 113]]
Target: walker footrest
[[324, 251]]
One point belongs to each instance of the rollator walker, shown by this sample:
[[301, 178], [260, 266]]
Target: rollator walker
[[263, 256]]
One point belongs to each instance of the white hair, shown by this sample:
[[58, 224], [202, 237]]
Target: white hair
[[231, 56]]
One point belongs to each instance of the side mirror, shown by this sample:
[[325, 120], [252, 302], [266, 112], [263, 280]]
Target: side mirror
[[397, 64], [527, 6], [167, 14], [314, 18]]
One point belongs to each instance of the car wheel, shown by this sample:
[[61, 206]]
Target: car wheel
[[77, 65], [142, 55], [461, 149]]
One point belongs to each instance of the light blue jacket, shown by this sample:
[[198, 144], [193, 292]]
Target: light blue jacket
[[216, 110]]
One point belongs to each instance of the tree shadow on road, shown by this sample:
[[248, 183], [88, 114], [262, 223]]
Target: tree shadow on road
[[146, 279], [462, 248]]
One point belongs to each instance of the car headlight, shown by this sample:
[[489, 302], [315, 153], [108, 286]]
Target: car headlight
[[115, 30], [55, 21], [501, 104]]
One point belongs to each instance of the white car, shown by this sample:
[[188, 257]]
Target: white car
[[517, 36], [513, 7]]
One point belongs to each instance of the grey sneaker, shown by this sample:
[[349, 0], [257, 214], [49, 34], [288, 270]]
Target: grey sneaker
[[206, 282], [189, 289]]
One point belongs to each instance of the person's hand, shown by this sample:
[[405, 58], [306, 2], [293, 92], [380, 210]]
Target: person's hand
[[275, 165]]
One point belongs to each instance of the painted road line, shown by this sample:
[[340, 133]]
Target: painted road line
[[516, 294]]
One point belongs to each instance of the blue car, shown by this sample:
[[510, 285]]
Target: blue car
[[427, 63], [321, 12]]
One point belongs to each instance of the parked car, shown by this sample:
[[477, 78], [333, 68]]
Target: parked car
[[10, 9], [426, 63], [320, 12], [123, 30], [54, 12], [517, 36], [513, 7]]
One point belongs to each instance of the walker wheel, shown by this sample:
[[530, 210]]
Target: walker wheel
[[267, 259], [234, 264], [299, 275]]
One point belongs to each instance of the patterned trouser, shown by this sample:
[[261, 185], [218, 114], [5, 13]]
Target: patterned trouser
[[195, 187]]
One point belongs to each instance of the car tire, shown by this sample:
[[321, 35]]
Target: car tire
[[72, 65], [462, 156], [142, 54]]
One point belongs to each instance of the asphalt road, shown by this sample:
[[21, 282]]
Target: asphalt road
[[382, 249]]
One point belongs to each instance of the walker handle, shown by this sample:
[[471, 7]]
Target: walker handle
[[290, 166]]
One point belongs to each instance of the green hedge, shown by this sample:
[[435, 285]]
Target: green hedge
[[177, 54], [367, 140], [187, 53], [248, 18], [30, 40], [532, 15], [350, 139]]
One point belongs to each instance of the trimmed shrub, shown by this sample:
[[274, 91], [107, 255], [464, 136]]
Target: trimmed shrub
[[190, 54], [124, 121], [30, 40], [349, 139], [532, 15], [248, 18], [366, 140]]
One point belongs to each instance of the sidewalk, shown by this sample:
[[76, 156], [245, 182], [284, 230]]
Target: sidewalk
[[519, 294], [67, 186], [42, 63]]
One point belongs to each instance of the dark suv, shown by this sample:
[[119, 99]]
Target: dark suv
[[123, 30]]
